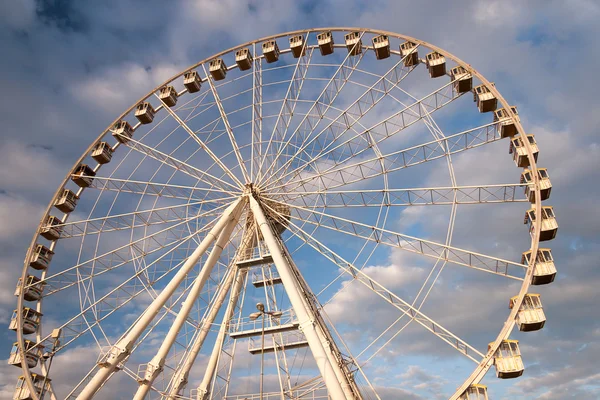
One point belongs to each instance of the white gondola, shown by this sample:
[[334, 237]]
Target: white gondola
[[519, 152], [486, 100], [270, 50], [144, 112], [168, 95], [102, 153], [436, 64], [507, 360], [41, 257], [31, 320], [463, 80], [409, 53], [217, 69], [549, 224], [544, 270], [531, 314], [353, 43], [297, 46], [325, 41], [381, 45], [41, 385], [51, 229], [192, 81], [243, 59], [34, 288], [544, 181], [33, 352], [507, 124], [67, 201], [83, 175], [122, 131], [475, 392]]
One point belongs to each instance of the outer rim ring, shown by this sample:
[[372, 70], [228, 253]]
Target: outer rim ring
[[485, 364]]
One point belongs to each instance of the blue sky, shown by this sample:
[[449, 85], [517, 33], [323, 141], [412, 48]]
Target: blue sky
[[70, 68]]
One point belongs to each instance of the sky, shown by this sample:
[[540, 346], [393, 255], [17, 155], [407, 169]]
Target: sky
[[69, 68]]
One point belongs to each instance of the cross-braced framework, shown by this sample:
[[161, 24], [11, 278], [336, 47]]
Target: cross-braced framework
[[282, 172]]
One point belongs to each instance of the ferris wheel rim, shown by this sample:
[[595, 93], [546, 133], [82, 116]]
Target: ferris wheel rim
[[485, 364]]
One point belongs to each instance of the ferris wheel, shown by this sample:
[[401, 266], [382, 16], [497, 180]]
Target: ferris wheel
[[196, 247]]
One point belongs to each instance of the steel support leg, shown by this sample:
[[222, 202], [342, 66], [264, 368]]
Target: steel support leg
[[306, 317], [121, 350], [156, 365], [180, 378], [211, 366]]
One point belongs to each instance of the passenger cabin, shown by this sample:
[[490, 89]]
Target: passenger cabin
[[519, 152], [31, 320], [144, 112], [192, 81], [486, 100], [122, 131], [33, 352], [549, 224], [67, 201], [544, 270], [475, 392], [409, 53], [217, 69], [381, 45], [531, 314], [52, 228], [507, 124], [544, 180], [34, 288], [243, 59], [168, 95], [102, 153], [507, 360], [41, 257], [436, 64], [41, 385], [463, 80], [297, 46], [353, 43], [83, 176], [325, 41], [270, 51]]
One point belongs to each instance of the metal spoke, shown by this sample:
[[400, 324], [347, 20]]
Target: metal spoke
[[358, 275], [413, 244]]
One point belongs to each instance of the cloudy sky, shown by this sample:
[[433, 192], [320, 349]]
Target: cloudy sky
[[69, 68]]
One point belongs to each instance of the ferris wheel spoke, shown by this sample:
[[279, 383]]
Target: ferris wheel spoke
[[427, 248], [143, 188], [390, 297], [120, 256], [345, 121], [257, 89], [135, 219], [338, 155], [407, 197], [179, 165], [286, 111], [439, 148], [321, 106], [204, 146]]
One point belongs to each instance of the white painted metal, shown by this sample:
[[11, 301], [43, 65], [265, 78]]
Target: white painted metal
[[121, 350], [306, 320]]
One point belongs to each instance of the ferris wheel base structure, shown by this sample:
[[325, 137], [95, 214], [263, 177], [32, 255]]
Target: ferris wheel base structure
[[228, 177]]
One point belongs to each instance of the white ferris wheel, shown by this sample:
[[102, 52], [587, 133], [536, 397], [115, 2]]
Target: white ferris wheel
[[194, 247]]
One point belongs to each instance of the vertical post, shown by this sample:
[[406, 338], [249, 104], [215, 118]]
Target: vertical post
[[121, 350], [262, 353], [306, 318], [156, 365]]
